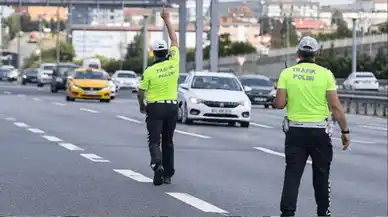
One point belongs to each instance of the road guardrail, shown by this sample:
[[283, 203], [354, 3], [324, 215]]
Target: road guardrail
[[363, 93], [364, 104]]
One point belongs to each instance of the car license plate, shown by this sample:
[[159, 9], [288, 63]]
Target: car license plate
[[91, 92], [221, 111], [259, 99]]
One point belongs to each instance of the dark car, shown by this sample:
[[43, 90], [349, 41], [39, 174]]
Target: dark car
[[263, 90], [30, 75], [60, 74], [182, 77]]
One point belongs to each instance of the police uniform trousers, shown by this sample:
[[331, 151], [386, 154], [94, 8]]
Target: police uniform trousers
[[301, 143], [161, 122]]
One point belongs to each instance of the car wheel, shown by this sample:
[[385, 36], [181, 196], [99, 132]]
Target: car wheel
[[39, 84], [185, 119], [112, 97], [68, 98], [244, 124], [266, 106], [23, 83]]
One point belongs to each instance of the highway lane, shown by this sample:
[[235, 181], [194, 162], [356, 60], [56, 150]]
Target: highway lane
[[221, 167]]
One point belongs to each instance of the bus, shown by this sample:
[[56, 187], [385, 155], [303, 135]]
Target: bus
[[10, 58]]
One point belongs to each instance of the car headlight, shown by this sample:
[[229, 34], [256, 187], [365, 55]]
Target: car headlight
[[195, 100], [245, 103], [73, 86], [24, 76], [272, 93]]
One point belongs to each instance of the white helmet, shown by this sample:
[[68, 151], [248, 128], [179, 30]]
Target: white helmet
[[159, 44], [308, 44]]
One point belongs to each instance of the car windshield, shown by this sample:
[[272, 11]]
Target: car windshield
[[182, 79], [48, 67], [63, 70], [256, 82], [216, 82], [365, 76], [90, 75], [126, 75], [5, 69], [32, 72]]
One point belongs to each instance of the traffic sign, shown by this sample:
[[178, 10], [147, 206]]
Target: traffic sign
[[241, 60]]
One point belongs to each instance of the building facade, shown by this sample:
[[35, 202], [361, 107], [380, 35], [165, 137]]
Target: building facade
[[298, 8], [84, 15]]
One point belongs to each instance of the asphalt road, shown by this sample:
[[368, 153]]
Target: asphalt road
[[89, 158]]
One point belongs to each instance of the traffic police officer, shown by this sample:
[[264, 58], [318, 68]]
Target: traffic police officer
[[160, 81], [308, 91]]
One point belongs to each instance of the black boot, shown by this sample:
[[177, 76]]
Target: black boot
[[158, 175], [167, 180]]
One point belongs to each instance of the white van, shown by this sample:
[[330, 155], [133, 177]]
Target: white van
[[91, 63]]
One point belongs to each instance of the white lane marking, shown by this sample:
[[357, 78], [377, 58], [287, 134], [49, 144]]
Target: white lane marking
[[70, 147], [52, 138], [36, 99], [196, 203], [10, 119], [134, 175], [58, 104], [20, 124], [21, 95], [261, 125], [128, 119], [374, 127], [7, 92], [88, 110], [35, 130], [269, 151], [94, 158], [193, 134], [356, 141]]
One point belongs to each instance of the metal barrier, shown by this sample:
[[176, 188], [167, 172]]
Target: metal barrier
[[366, 105], [363, 93]]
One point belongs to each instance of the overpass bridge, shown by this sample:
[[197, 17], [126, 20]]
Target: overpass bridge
[[274, 63]]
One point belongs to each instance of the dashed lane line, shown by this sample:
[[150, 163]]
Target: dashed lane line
[[269, 151], [88, 110], [177, 131], [7, 92], [355, 141], [128, 119], [21, 95], [374, 127], [58, 104], [196, 202], [70, 147], [261, 125], [52, 138], [10, 119], [95, 158], [35, 130], [193, 134], [20, 124], [134, 175], [36, 99]]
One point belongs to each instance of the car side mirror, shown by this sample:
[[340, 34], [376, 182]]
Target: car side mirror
[[247, 89], [184, 86]]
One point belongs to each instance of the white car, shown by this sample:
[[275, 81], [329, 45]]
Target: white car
[[126, 79], [45, 74], [114, 89], [361, 81], [13, 75], [211, 96]]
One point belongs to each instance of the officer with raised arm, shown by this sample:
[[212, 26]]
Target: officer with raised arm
[[160, 81], [308, 91]]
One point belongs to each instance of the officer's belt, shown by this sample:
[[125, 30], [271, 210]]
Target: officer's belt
[[322, 124], [164, 101]]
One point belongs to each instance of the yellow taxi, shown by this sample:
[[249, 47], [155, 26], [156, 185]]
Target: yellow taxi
[[88, 83]]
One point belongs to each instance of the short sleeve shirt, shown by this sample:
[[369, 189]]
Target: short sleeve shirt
[[160, 80], [306, 85]]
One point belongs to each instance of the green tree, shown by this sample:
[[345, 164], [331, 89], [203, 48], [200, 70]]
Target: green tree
[[135, 48], [14, 25], [383, 27], [25, 21], [381, 63], [265, 25], [288, 31]]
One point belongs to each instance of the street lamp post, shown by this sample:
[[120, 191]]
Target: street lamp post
[[354, 46]]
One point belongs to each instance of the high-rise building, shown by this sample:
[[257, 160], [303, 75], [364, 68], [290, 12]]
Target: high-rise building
[[84, 15]]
